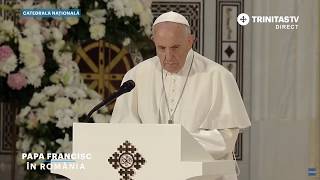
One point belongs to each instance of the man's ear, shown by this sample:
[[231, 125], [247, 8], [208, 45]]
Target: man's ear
[[152, 39], [190, 40]]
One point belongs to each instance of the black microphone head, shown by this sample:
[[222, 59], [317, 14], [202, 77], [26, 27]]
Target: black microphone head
[[128, 85]]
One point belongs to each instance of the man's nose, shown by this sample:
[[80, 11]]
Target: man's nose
[[168, 54]]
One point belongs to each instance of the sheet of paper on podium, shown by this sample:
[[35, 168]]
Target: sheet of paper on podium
[[141, 152]]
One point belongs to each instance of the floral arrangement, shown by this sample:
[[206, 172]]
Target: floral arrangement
[[37, 67], [34, 53], [25, 65], [45, 125], [118, 21]]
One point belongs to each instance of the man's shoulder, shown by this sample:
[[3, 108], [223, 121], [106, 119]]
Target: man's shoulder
[[144, 66], [210, 66], [151, 62]]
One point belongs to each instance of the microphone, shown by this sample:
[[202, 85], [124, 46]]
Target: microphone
[[124, 88]]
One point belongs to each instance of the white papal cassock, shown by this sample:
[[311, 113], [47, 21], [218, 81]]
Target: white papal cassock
[[211, 108]]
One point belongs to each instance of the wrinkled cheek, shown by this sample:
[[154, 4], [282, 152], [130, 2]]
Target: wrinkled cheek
[[161, 57]]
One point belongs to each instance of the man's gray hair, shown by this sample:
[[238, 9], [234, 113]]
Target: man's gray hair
[[187, 29]]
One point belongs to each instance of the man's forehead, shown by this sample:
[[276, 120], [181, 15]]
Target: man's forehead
[[168, 42], [172, 45]]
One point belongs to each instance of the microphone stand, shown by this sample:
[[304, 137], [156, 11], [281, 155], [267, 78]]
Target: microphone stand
[[126, 87], [107, 101]]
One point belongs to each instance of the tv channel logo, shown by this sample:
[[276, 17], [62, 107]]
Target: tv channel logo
[[286, 22], [243, 19]]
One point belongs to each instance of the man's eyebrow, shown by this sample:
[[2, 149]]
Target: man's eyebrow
[[173, 46], [176, 45]]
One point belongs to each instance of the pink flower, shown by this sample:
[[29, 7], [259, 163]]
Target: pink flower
[[5, 53], [17, 81]]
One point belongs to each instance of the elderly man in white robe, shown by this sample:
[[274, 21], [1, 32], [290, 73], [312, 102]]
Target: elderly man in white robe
[[181, 86]]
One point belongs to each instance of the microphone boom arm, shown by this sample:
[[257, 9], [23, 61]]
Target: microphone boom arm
[[126, 87]]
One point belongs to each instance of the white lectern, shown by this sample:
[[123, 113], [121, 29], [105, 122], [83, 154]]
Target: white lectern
[[141, 152]]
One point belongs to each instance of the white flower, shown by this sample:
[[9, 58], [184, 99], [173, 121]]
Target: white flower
[[56, 46], [32, 121], [43, 115], [52, 90], [80, 93], [25, 144], [97, 31], [61, 103], [66, 117], [36, 98], [32, 30], [97, 16], [100, 20], [55, 78], [37, 40], [74, 92], [9, 65], [99, 118], [25, 46], [33, 75], [31, 60], [46, 5], [41, 142], [25, 4], [148, 31], [126, 41], [8, 30], [65, 4], [24, 112], [32, 27], [118, 7], [3, 37], [128, 9], [65, 122], [146, 19], [80, 107], [65, 144], [136, 6], [46, 33], [66, 76], [64, 26], [64, 57], [83, 106], [72, 20], [56, 34], [146, 3], [93, 94], [36, 148], [7, 26], [50, 108]]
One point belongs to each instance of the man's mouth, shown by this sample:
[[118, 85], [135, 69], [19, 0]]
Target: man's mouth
[[171, 64]]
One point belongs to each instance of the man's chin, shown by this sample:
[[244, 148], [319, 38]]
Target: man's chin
[[172, 70]]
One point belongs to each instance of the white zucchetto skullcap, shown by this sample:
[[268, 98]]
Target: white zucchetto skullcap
[[171, 17]]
